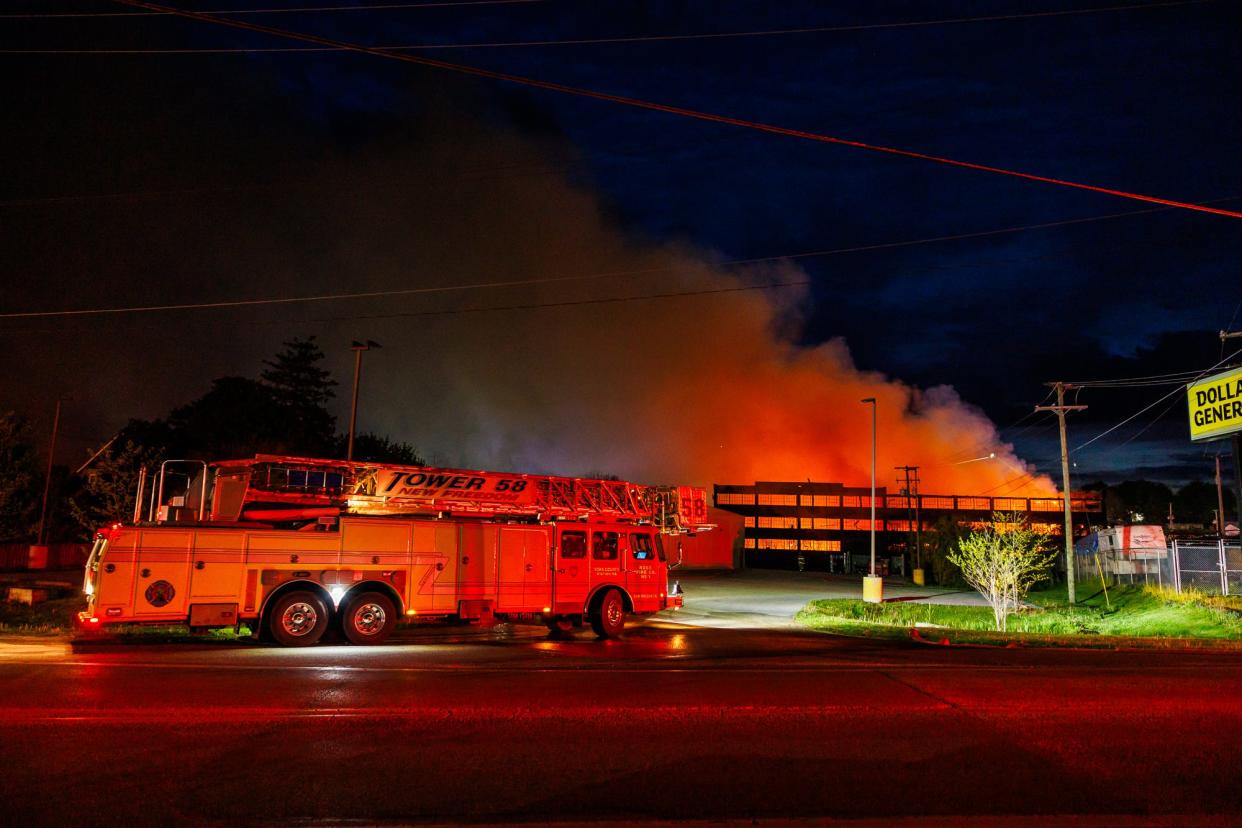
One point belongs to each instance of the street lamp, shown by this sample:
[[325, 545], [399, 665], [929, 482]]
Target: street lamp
[[873, 585], [357, 348]]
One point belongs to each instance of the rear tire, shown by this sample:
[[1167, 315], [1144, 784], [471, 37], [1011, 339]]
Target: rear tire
[[369, 618], [608, 617], [298, 619]]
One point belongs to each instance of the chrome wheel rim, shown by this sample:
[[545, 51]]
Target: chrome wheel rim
[[369, 619], [299, 618], [613, 612]]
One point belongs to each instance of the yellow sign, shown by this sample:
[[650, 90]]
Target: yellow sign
[[1215, 405]]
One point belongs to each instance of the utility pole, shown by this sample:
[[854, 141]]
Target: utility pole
[[1060, 409], [1220, 501], [912, 502], [1237, 444], [47, 481]]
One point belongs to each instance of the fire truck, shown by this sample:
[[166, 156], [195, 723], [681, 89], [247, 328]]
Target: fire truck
[[295, 547]]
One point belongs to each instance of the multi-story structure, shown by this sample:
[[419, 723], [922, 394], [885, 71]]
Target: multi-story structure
[[827, 526]]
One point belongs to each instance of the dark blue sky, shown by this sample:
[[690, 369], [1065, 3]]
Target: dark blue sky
[[1146, 100]]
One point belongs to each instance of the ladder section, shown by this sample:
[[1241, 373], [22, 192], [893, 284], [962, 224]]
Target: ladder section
[[274, 488]]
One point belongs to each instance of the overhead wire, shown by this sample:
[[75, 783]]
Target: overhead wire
[[1153, 421], [582, 41], [686, 112], [503, 308], [977, 447], [434, 4], [1158, 378], [1006, 484], [1147, 408], [741, 262], [1228, 328]]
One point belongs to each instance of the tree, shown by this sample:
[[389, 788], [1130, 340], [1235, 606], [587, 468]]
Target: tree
[[109, 486], [303, 388], [940, 541], [238, 417], [1196, 503], [373, 448], [1137, 501], [20, 477], [1003, 560], [296, 375]]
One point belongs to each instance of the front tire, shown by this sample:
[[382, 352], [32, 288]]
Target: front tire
[[608, 619], [369, 619], [298, 619]]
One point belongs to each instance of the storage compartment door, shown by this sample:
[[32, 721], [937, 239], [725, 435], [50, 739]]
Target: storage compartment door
[[216, 576], [512, 560], [163, 573]]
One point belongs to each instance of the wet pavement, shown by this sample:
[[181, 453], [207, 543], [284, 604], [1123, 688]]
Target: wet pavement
[[672, 722]]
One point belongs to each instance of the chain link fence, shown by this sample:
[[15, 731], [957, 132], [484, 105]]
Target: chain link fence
[[1205, 565], [1211, 566]]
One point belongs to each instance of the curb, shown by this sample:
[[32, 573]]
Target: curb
[[1117, 644]]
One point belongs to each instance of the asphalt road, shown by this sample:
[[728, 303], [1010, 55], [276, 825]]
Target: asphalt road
[[670, 723]]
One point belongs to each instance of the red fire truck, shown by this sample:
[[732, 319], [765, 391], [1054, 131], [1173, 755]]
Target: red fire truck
[[295, 546]]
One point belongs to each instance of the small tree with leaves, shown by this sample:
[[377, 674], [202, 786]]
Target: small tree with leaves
[[20, 479], [109, 486], [1003, 560]]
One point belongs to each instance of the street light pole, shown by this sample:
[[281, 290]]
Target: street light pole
[[873, 586], [357, 348]]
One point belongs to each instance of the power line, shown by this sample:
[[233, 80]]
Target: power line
[[289, 300], [1148, 384], [977, 447], [1153, 421], [1174, 375], [553, 279], [1010, 481], [1145, 409], [685, 112], [300, 10], [583, 41], [501, 308], [581, 277]]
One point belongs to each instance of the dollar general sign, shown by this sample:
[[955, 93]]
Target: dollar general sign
[[1215, 405]]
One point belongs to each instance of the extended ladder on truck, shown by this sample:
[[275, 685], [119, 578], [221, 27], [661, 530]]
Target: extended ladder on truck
[[277, 489]]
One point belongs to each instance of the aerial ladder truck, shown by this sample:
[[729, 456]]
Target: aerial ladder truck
[[293, 547]]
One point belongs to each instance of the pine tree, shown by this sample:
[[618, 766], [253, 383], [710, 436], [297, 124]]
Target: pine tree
[[303, 388], [297, 376]]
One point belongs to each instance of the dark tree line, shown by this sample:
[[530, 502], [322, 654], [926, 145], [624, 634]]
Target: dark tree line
[[283, 411]]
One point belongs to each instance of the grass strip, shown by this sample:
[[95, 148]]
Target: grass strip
[[1131, 612]]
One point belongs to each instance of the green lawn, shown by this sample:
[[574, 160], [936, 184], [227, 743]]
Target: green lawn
[[57, 617], [1130, 612]]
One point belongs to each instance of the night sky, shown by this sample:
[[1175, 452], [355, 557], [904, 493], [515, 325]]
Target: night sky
[[197, 176]]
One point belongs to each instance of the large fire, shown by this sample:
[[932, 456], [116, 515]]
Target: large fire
[[691, 389], [705, 389]]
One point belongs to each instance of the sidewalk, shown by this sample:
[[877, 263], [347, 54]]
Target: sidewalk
[[765, 598]]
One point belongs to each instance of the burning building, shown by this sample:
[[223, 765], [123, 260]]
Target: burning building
[[827, 526]]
